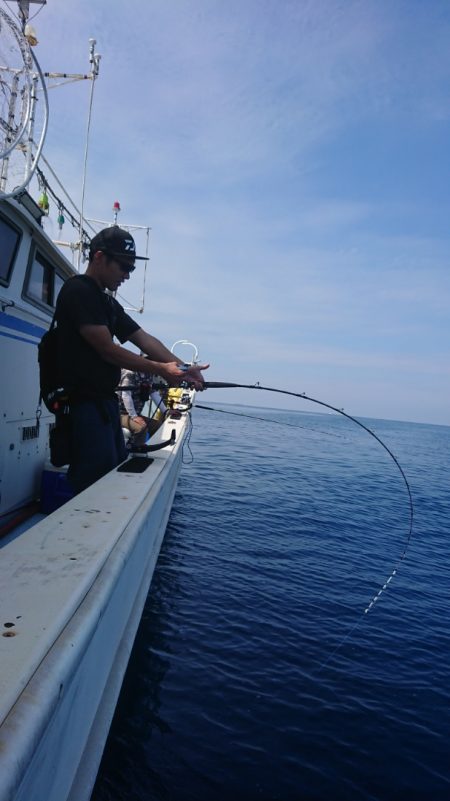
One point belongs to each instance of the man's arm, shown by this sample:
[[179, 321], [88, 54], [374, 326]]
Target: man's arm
[[153, 347], [156, 350], [161, 361]]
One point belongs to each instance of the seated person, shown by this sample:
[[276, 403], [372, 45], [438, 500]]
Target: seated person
[[132, 403]]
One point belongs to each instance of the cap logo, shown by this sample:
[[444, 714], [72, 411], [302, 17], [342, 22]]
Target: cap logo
[[129, 245]]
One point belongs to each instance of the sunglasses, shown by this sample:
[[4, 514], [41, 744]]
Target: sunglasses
[[124, 266]]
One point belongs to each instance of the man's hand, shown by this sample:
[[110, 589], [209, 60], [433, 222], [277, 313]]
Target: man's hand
[[171, 372], [193, 375]]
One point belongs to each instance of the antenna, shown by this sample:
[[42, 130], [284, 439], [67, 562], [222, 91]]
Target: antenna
[[116, 209], [94, 60]]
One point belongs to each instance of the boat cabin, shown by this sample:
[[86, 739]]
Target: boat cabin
[[32, 271]]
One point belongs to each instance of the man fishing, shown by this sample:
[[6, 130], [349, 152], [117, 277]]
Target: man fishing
[[90, 361]]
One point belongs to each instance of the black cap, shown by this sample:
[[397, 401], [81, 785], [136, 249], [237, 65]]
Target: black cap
[[116, 242]]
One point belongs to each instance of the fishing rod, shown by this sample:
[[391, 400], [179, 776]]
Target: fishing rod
[[304, 396]]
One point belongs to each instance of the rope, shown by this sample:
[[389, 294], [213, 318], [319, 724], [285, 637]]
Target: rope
[[58, 201]]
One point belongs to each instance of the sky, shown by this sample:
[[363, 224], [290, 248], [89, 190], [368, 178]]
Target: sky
[[292, 160]]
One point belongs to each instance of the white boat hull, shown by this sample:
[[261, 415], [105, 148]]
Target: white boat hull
[[77, 583]]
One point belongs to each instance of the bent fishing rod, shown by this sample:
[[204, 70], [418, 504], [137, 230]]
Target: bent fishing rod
[[304, 396]]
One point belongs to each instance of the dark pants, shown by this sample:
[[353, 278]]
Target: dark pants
[[97, 441]]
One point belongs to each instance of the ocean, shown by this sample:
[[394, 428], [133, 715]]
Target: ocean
[[256, 673]]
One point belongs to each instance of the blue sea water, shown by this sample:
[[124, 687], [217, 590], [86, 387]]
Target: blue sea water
[[256, 673]]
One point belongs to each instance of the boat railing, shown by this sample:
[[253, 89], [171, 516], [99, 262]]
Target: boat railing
[[186, 342]]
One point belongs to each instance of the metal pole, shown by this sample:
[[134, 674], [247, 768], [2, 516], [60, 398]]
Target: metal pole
[[94, 60], [24, 8], [29, 151], [11, 113]]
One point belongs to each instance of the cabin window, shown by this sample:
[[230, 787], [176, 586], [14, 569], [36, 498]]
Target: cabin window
[[40, 280], [10, 238], [43, 282], [58, 282]]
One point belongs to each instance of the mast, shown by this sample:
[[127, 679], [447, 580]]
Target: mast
[[20, 85], [94, 60]]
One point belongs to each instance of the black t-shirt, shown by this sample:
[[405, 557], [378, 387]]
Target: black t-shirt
[[82, 302]]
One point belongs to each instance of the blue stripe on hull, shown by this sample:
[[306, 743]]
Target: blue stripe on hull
[[20, 339], [16, 324]]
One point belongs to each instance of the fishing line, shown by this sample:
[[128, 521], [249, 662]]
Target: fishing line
[[269, 420], [187, 441], [304, 396]]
